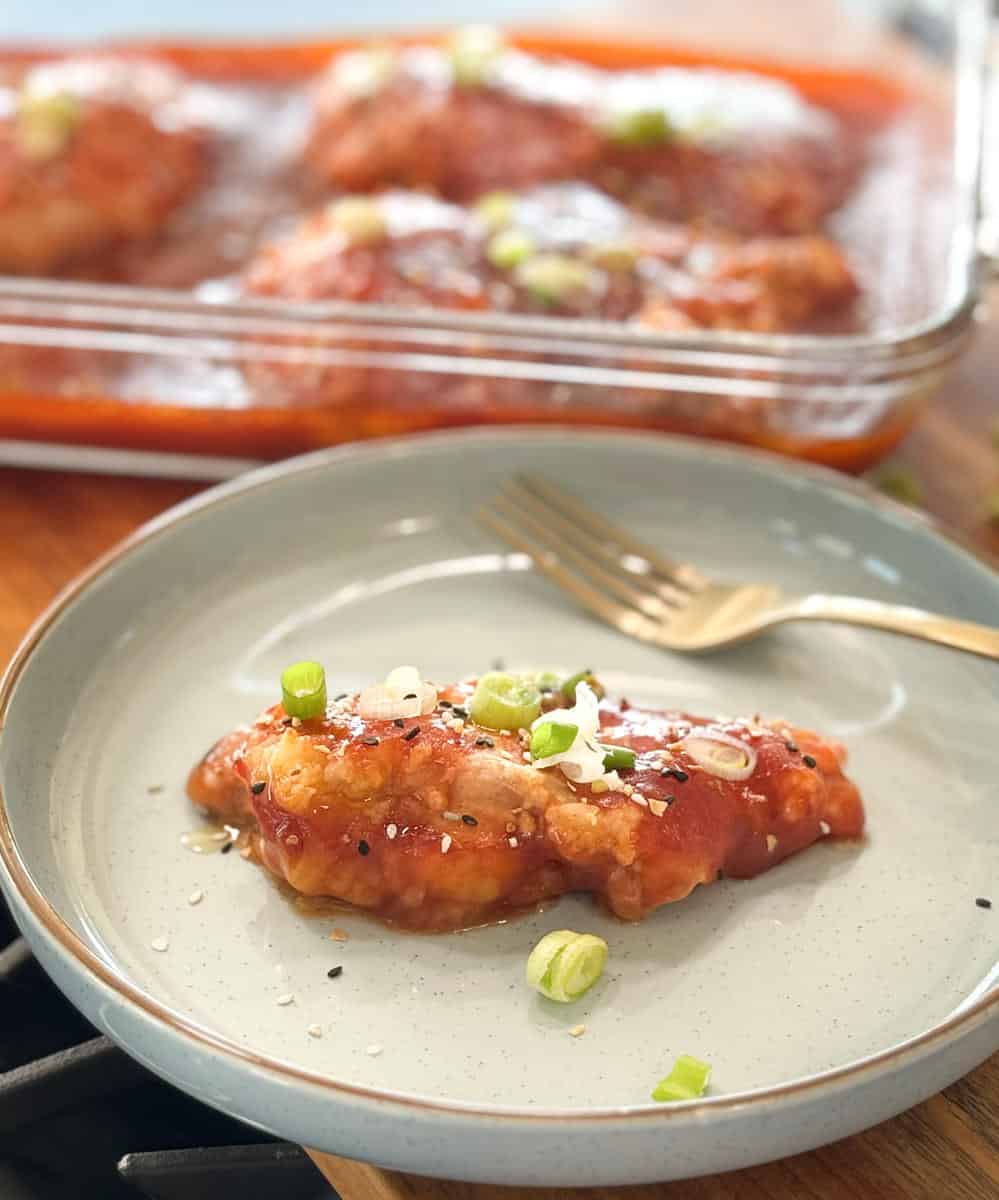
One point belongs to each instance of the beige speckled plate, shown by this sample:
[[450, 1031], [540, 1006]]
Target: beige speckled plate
[[837, 989]]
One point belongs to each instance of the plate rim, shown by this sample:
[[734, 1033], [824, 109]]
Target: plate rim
[[188, 1030]]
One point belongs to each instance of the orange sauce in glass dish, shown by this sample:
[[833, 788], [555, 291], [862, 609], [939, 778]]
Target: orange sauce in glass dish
[[253, 427]]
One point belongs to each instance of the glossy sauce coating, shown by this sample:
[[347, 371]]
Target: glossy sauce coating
[[128, 157], [451, 827]]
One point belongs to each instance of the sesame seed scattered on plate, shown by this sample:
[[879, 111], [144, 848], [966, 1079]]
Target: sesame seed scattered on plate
[[374, 1050], [154, 789], [577, 1031], [160, 944], [315, 1031], [196, 896], [285, 999]]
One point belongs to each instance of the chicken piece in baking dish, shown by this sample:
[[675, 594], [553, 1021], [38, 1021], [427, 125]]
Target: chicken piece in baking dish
[[725, 149], [93, 151], [437, 821], [410, 118], [560, 249]]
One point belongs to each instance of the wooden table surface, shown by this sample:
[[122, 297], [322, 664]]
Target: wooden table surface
[[53, 524]]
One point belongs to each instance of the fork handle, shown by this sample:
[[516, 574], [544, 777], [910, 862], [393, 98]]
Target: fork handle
[[898, 618]]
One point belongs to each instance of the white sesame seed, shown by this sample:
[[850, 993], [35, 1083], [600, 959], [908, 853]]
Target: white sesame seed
[[657, 807], [513, 843], [160, 944], [639, 799], [451, 816], [456, 724], [154, 789], [526, 756], [824, 828], [391, 830], [291, 839], [445, 843], [771, 843], [315, 1031], [285, 999], [196, 896], [374, 1050], [296, 722], [577, 1031]]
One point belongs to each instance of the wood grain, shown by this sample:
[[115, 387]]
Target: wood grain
[[52, 525]]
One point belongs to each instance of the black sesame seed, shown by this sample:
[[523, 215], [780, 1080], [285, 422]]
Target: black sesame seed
[[410, 696], [334, 972], [444, 703], [459, 711], [792, 748], [399, 723], [983, 902], [668, 800], [371, 740], [485, 741], [342, 696], [363, 848], [546, 689], [808, 760], [675, 773], [411, 733], [468, 819], [226, 848], [258, 787]]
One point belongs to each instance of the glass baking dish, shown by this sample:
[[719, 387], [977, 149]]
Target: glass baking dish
[[203, 372]]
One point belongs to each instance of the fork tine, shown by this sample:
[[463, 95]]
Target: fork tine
[[681, 574], [627, 620], [589, 566], [542, 509]]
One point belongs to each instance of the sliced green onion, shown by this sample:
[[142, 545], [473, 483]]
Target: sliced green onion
[[303, 690], [45, 124], [686, 1081], [366, 72], [509, 247], [587, 676], [553, 277], [496, 209], [473, 52], [902, 484], [503, 701], [644, 127], [564, 964], [619, 758], [546, 681], [359, 218], [551, 738]]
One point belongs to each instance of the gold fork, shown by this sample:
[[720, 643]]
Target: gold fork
[[673, 605]]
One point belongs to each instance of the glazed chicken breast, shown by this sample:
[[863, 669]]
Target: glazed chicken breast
[[436, 823], [720, 148], [93, 151]]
